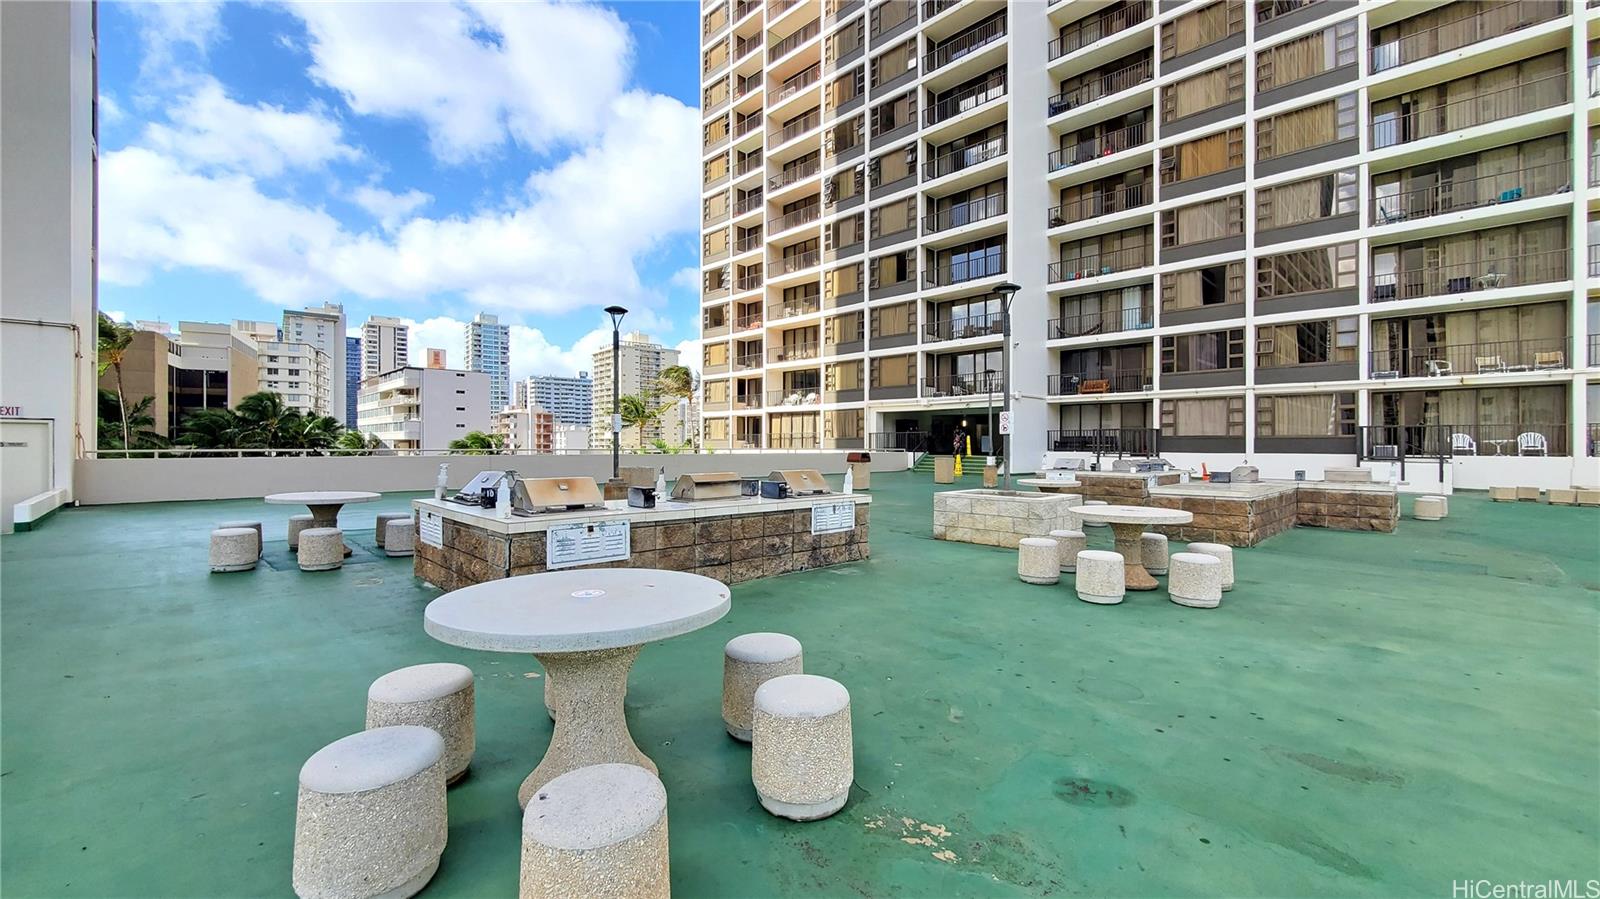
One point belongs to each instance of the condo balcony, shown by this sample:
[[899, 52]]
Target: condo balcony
[[953, 161], [991, 88], [964, 44], [1087, 324], [1105, 441], [1492, 22], [1484, 358], [969, 268], [1096, 27], [1111, 83], [796, 352], [963, 327], [961, 214], [793, 42], [1079, 267], [1481, 274], [1469, 110], [980, 385], [1102, 203], [1460, 195], [1107, 144], [1089, 383]]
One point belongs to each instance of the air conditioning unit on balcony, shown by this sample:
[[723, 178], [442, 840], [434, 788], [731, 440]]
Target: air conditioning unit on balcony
[[1385, 375], [1386, 451]]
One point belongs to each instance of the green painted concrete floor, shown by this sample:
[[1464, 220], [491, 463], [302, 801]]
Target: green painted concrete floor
[[1365, 715]]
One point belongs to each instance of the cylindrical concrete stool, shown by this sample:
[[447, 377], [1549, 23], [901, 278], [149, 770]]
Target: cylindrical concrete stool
[[234, 549], [399, 537], [1038, 560], [1096, 502], [748, 661], [437, 695], [321, 549], [252, 525], [596, 831], [1068, 544], [1196, 580], [1101, 578], [1224, 554], [1153, 548], [297, 524], [801, 758], [1428, 508], [370, 819], [383, 519]]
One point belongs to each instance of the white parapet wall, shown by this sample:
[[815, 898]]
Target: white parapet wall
[[103, 481]]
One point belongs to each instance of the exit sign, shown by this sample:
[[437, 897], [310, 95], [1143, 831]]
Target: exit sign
[[10, 411]]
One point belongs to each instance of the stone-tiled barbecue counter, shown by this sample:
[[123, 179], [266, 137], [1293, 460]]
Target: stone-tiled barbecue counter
[[730, 540], [1247, 514]]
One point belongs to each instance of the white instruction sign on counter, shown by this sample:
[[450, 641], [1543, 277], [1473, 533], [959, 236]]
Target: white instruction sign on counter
[[430, 528], [831, 518], [585, 543]]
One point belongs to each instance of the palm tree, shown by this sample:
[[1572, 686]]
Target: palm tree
[[675, 383], [351, 442], [638, 412], [477, 443], [140, 423], [210, 429], [315, 431], [266, 422], [111, 345]]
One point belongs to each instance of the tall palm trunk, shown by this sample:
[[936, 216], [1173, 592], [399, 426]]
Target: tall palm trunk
[[122, 405]]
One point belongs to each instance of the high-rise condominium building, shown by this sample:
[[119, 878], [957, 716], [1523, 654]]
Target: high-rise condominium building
[[488, 347], [352, 378], [642, 360], [525, 430], [570, 400], [322, 327], [423, 408], [385, 345], [1293, 232]]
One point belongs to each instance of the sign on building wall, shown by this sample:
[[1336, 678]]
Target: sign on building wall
[[430, 528], [831, 518], [585, 543]]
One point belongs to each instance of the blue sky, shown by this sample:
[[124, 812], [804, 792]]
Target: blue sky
[[424, 160]]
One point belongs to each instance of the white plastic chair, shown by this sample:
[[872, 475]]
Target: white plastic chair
[[1463, 444], [1534, 441]]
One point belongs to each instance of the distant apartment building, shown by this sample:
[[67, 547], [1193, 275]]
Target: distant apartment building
[[322, 327], [385, 345], [641, 363], [488, 350], [570, 400], [423, 408], [352, 378], [200, 366], [299, 372], [157, 326], [570, 438], [525, 430], [145, 373], [437, 359]]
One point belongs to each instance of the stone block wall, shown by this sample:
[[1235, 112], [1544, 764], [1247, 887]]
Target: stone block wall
[[730, 548], [1114, 488], [1332, 506], [992, 518], [1232, 522]]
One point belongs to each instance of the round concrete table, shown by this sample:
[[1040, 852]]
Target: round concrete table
[[585, 628], [1127, 523], [324, 504], [1048, 485]]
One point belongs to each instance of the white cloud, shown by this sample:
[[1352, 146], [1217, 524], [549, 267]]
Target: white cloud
[[164, 27], [475, 74], [532, 353], [116, 315], [689, 354], [209, 129], [687, 279], [387, 207], [109, 110]]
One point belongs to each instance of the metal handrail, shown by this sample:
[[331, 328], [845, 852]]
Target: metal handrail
[[966, 157], [1111, 142], [799, 262], [787, 45], [1471, 193], [1099, 264], [986, 266], [1466, 112], [963, 385], [798, 82], [747, 124], [795, 219], [748, 360], [1093, 28], [1490, 357], [795, 175], [1465, 277], [1465, 31], [798, 127], [746, 322], [798, 352], [987, 91], [963, 327], [748, 281], [777, 311], [748, 164], [975, 38], [1104, 86], [1088, 323], [1085, 382], [1105, 441], [967, 213], [748, 202], [1104, 203], [748, 242]]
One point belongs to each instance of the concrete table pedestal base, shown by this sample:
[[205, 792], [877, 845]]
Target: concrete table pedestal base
[[591, 729]]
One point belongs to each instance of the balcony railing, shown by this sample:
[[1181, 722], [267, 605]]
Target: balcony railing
[[797, 352], [747, 165], [1104, 86], [792, 441], [1085, 383], [1105, 203], [749, 281], [748, 242], [1087, 323], [776, 311], [1122, 260], [1468, 111], [789, 44], [1391, 442], [1092, 28], [1492, 22], [797, 83], [969, 41], [747, 361], [1105, 145], [795, 219], [747, 202], [1105, 441], [744, 46], [747, 124], [988, 90], [1465, 277], [1594, 350], [743, 86], [744, 8], [910, 441], [799, 396], [1594, 260], [776, 8], [963, 327], [799, 262], [963, 385], [1492, 357], [794, 174], [1471, 193], [746, 322], [747, 401], [966, 157], [794, 129], [963, 270], [967, 213], [931, 8]]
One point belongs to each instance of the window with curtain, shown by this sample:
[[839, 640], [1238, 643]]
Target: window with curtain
[[844, 41], [1220, 152], [716, 94], [895, 268], [894, 62], [895, 218], [843, 376], [1488, 96], [1207, 90], [842, 281], [1201, 28], [891, 13], [888, 116], [1212, 351], [716, 279], [842, 138], [716, 430], [894, 371], [1306, 271], [1214, 285], [1212, 220], [1306, 57], [1301, 129], [842, 329], [1306, 415], [716, 354], [1298, 202], [894, 165], [1307, 343], [715, 243], [843, 89], [716, 131], [717, 392], [1215, 417], [843, 185], [844, 232], [894, 321], [842, 424]]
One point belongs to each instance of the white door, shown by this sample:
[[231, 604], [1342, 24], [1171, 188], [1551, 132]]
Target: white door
[[24, 464]]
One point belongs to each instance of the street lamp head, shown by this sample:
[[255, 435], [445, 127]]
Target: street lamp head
[[616, 313], [1007, 292]]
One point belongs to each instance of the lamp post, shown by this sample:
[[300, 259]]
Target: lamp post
[[988, 389], [1007, 292], [616, 313]]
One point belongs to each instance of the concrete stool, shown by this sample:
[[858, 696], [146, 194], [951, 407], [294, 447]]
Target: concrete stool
[[596, 831], [1224, 554], [801, 757], [1101, 578], [1038, 560], [383, 519], [370, 819], [252, 525], [1428, 508], [748, 661], [1068, 545], [1153, 547], [1528, 494], [1558, 496], [437, 696], [1096, 502], [1503, 494], [1196, 580], [234, 549], [298, 523], [399, 537], [321, 549]]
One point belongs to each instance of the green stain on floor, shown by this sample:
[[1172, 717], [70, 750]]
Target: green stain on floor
[[1366, 714]]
